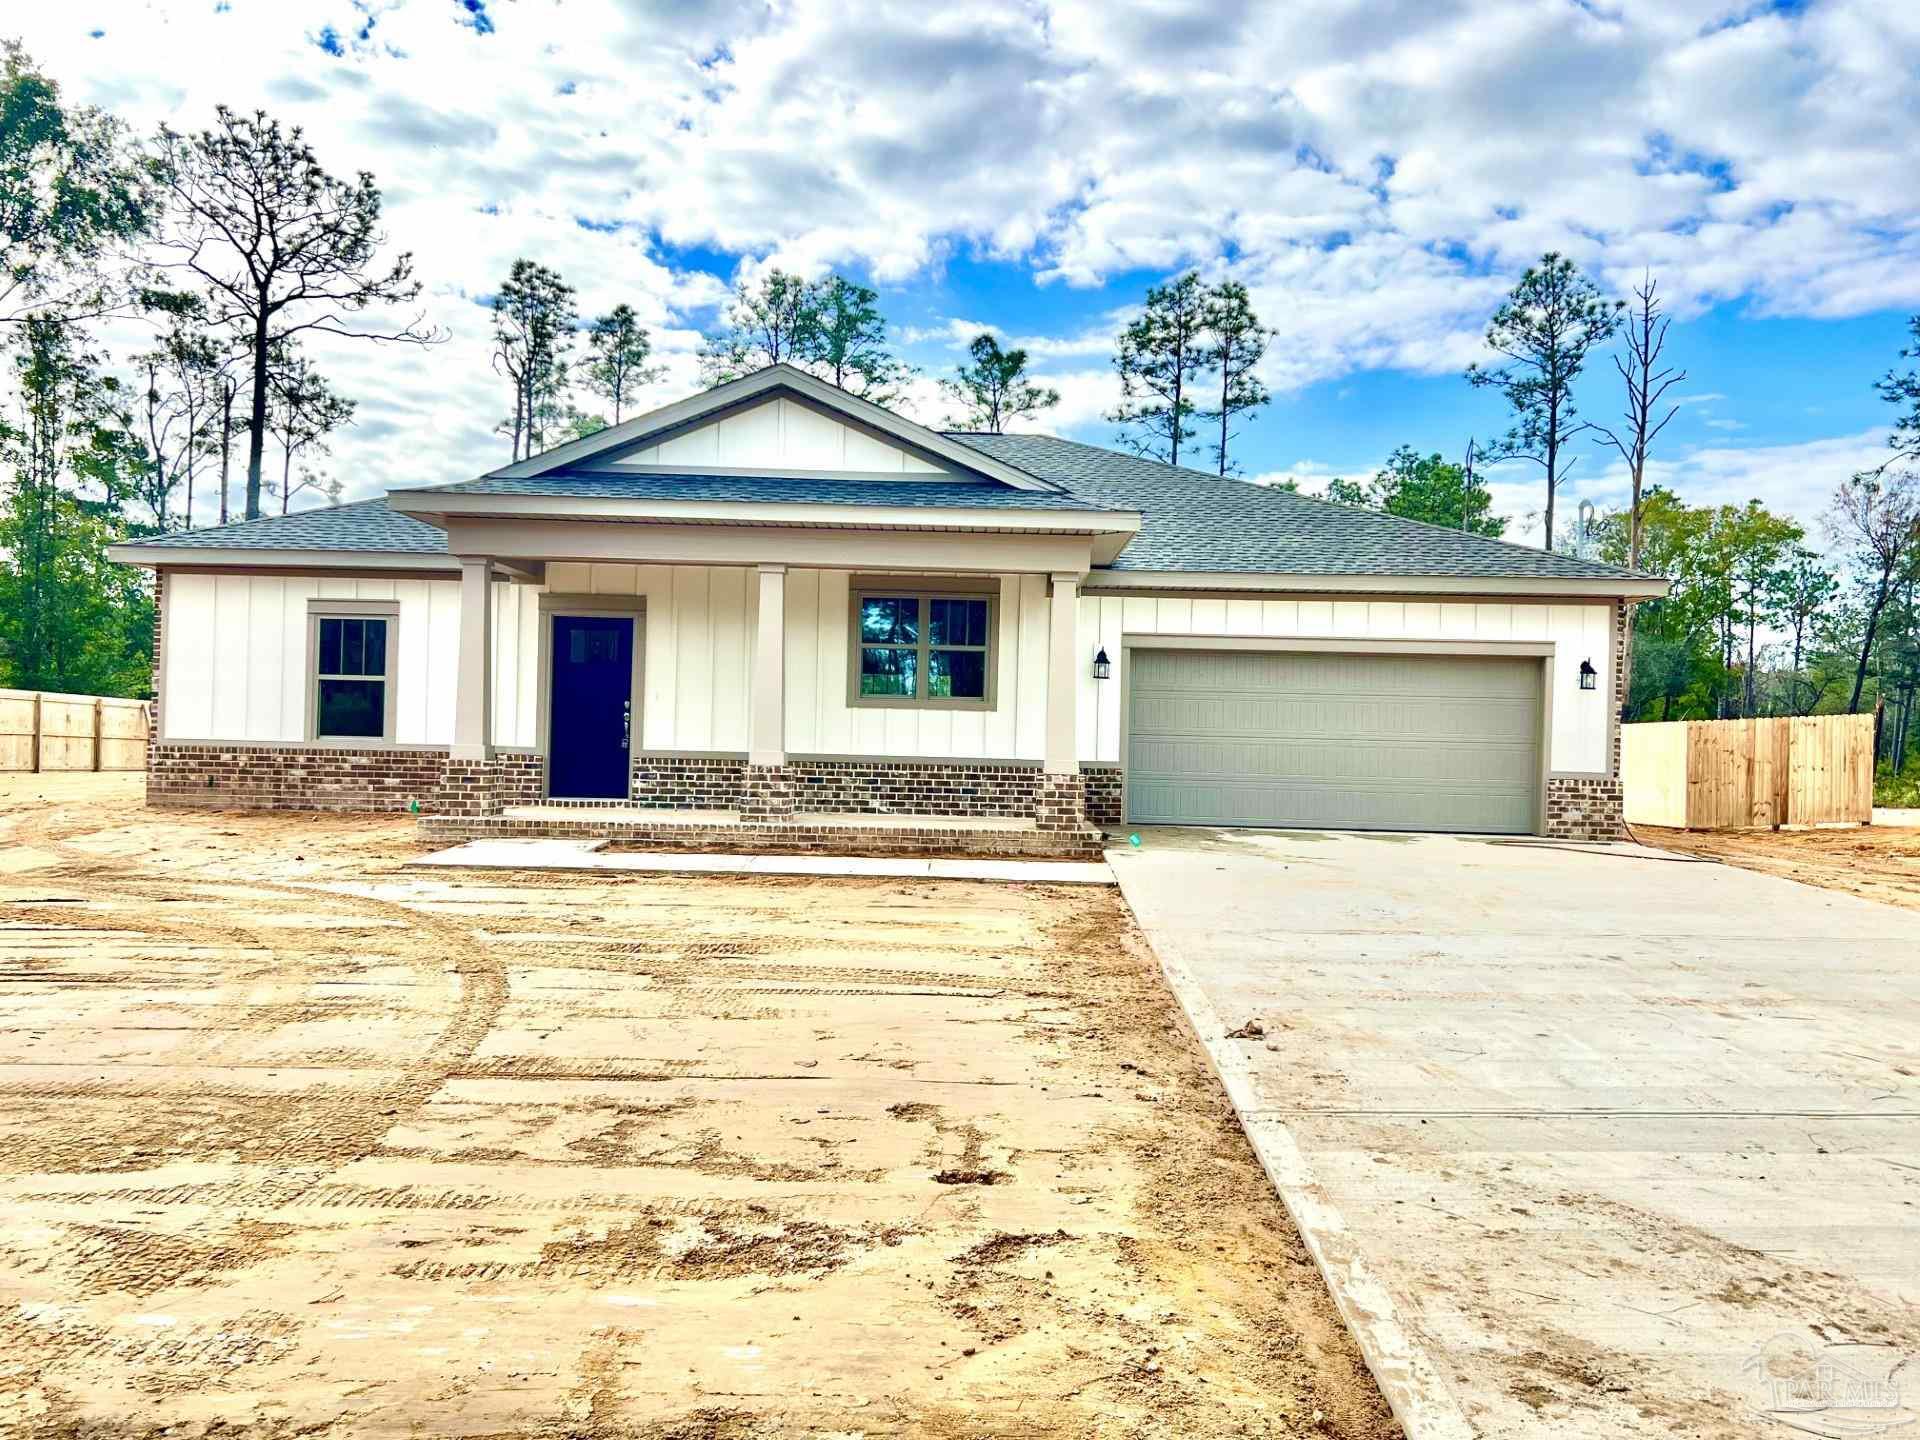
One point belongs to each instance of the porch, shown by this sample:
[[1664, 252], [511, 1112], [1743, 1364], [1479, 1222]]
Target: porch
[[744, 667]]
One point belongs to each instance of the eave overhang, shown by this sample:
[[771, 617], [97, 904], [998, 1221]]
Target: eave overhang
[[1624, 587]]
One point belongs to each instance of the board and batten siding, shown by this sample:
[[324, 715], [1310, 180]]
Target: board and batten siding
[[785, 434], [1580, 739], [235, 659], [701, 621]]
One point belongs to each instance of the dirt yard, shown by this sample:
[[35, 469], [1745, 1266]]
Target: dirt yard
[[1878, 862], [293, 1141]]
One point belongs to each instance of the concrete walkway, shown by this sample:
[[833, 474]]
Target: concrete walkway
[[591, 855], [1589, 1140]]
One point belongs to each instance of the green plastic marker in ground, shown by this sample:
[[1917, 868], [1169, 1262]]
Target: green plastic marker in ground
[[1134, 839]]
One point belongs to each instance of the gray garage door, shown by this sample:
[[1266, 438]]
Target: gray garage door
[[1352, 742]]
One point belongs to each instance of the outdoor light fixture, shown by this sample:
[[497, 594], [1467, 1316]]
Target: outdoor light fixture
[[1588, 675], [1102, 667]]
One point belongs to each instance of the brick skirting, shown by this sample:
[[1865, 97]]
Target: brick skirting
[[961, 788], [336, 777], [1106, 795], [688, 782], [1584, 808]]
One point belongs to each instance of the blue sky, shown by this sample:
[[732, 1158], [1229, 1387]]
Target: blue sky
[[1376, 171]]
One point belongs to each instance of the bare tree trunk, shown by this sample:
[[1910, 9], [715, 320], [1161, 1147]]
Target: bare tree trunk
[[193, 419], [1179, 389], [1226, 381], [228, 390], [1866, 644], [1900, 731], [257, 434], [1553, 464]]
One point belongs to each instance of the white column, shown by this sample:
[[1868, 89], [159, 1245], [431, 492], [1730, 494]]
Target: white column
[[1063, 676], [473, 695], [768, 742]]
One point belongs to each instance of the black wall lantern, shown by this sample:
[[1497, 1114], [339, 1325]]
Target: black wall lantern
[[1588, 675], [1102, 667]]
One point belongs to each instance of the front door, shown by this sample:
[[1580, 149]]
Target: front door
[[590, 724]]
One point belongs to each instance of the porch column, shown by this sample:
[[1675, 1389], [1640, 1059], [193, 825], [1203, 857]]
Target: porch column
[[1063, 677], [473, 692], [767, 743]]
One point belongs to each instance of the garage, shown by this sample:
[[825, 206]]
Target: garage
[[1333, 739]]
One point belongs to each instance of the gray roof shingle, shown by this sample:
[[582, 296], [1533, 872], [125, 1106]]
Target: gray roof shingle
[[1197, 522], [363, 525]]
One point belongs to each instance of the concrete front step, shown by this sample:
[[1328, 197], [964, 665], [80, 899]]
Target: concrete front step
[[815, 834]]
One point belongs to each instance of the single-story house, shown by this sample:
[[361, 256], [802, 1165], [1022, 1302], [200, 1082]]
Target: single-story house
[[777, 606]]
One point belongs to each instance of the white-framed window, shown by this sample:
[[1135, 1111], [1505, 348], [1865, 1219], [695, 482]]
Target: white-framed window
[[352, 648], [922, 648]]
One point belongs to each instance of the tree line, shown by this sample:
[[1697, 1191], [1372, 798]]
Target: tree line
[[230, 247], [831, 328]]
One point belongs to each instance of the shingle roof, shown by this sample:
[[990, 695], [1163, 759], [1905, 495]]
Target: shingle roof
[[1197, 522], [363, 525], [1191, 521], [751, 489]]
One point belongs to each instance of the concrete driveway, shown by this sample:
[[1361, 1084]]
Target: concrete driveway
[[1592, 1140]]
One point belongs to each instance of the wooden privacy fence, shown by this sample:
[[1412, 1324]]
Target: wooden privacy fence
[[41, 730], [1748, 774]]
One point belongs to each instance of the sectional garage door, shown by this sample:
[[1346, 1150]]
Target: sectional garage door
[[1316, 738]]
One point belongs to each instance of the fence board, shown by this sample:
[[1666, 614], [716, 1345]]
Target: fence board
[[1653, 762], [1744, 774], [47, 731]]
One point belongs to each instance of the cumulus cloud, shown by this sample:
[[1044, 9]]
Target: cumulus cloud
[[1374, 170]]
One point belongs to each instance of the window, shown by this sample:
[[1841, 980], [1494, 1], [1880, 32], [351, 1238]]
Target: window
[[352, 683], [921, 649]]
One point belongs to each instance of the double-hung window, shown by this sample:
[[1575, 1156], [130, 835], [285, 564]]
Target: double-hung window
[[922, 648], [353, 675]]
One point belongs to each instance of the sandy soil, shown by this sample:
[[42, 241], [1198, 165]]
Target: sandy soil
[[1877, 862], [293, 1141]]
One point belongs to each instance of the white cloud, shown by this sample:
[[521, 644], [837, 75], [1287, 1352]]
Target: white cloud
[[1375, 170]]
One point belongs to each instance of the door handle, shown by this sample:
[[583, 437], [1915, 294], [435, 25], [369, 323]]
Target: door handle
[[626, 724]]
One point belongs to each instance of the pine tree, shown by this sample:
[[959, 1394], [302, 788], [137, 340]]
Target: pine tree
[[1553, 319], [765, 324], [994, 390], [1236, 342], [277, 247], [533, 326], [1161, 356], [844, 342], [620, 348]]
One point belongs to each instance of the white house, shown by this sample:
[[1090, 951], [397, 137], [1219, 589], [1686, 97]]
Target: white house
[[780, 607]]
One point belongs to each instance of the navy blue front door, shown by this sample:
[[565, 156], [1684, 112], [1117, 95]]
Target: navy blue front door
[[590, 728]]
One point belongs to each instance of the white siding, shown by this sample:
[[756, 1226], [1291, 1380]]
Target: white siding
[[1577, 631], [699, 666], [235, 656], [236, 659], [787, 435]]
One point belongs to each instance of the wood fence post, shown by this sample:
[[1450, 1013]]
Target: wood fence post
[[38, 729], [99, 718], [1782, 770]]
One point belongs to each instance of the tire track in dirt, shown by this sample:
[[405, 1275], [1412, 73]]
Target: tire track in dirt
[[338, 1125]]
